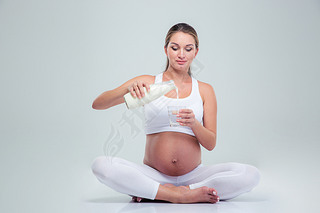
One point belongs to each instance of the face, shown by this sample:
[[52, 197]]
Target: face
[[181, 51]]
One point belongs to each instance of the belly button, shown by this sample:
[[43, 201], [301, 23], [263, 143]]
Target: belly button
[[174, 160]]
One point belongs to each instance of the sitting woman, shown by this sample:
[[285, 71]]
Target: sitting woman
[[172, 169]]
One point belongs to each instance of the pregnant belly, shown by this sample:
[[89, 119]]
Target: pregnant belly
[[172, 153]]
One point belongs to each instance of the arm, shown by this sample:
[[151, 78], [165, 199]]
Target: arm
[[114, 97], [206, 134]]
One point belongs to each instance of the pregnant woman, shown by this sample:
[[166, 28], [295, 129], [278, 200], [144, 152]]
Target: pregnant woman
[[172, 169]]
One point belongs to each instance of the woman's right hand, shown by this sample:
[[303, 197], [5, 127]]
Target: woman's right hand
[[137, 89], [114, 97]]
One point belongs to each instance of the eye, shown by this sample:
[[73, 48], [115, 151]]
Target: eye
[[189, 49], [174, 48]]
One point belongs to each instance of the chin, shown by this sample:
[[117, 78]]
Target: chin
[[181, 68]]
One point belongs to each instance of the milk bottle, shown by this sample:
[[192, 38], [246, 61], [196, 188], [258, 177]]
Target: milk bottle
[[156, 91]]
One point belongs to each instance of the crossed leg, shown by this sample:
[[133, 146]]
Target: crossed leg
[[184, 194], [142, 181]]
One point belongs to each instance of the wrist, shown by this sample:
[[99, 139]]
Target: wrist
[[196, 124]]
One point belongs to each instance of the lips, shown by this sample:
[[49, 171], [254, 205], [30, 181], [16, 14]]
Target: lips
[[181, 62]]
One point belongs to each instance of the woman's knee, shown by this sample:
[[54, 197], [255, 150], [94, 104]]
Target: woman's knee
[[248, 176], [101, 166]]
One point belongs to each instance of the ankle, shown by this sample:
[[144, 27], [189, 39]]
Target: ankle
[[177, 198], [176, 195]]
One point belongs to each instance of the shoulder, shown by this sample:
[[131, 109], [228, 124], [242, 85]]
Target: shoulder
[[206, 91], [205, 86]]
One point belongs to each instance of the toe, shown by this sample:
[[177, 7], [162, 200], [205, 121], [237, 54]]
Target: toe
[[212, 200], [212, 191]]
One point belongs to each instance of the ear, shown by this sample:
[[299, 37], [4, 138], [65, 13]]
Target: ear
[[196, 52], [165, 50]]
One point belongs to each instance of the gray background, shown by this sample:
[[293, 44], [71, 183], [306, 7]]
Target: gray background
[[56, 57]]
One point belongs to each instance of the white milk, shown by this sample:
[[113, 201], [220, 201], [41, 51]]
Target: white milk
[[177, 91], [156, 91]]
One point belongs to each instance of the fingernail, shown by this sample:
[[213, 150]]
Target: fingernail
[[214, 193]]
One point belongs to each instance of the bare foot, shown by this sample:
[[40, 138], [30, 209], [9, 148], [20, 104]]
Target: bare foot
[[200, 195], [139, 199], [183, 194]]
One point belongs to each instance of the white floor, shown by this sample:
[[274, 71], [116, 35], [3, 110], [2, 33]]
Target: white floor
[[276, 193], [120, 204], [253, 202]]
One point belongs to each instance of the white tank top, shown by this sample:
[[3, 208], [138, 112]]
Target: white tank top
[[156, 112]]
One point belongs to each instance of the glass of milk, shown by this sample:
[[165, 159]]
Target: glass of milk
[[172, 112]]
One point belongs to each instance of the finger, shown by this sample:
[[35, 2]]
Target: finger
[[136, 89], [131, 90], [146, 85], [185, 122], [185, 110], [141, 89], [186, 116]]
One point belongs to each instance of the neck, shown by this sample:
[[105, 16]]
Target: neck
[[177, 75]]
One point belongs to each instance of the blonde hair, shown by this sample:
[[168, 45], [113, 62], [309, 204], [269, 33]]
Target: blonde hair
[[185, 28]]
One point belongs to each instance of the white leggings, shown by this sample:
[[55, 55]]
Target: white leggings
[[228, 179]]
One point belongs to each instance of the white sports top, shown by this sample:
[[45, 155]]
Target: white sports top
[[156, 112]]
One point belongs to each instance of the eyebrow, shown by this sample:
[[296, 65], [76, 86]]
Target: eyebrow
[[179, 45]]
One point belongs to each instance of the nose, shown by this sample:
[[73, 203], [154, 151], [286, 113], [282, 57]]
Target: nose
[[181, 54]]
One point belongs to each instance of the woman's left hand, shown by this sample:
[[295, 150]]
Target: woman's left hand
[[186, 117]]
